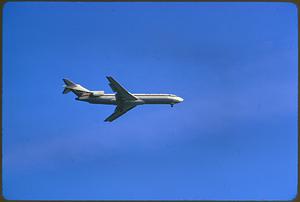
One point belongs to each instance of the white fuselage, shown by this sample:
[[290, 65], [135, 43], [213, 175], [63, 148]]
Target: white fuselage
[[110, 99], [123, 99]]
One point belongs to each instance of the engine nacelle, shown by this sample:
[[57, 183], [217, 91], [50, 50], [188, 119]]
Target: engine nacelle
[[97, 93]]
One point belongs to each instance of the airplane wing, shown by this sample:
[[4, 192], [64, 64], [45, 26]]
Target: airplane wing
[[121, 93], [119, 111]]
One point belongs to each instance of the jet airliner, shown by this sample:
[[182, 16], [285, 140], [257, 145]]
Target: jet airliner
[[124, 100]]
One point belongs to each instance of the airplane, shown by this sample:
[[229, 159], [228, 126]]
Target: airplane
[[124, 100]]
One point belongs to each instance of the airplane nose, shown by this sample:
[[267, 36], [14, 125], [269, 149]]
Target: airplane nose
[[179, 99]]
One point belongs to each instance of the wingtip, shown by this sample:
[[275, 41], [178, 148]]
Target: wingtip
[[108, 119], [110, 79]]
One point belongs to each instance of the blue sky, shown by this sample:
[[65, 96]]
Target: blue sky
[[233, 138]]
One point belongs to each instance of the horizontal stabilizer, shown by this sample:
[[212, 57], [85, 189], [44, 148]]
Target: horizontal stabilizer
[[66, 90]]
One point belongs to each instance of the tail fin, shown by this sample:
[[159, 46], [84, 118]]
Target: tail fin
[[75, 88], [68, 82]]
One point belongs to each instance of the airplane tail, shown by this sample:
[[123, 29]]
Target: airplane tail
[[75, 88], [68, 86]]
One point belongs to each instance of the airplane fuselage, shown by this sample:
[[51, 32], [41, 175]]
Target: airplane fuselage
[[110, 99], [123, 99]]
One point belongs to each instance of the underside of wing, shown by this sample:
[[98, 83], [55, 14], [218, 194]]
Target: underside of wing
[[119, 111], [121, 93]]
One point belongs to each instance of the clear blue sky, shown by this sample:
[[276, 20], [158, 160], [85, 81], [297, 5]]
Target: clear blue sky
[[233, 137]]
